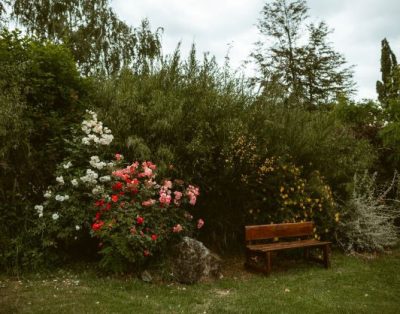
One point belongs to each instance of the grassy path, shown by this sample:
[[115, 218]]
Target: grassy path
[[353, 285]]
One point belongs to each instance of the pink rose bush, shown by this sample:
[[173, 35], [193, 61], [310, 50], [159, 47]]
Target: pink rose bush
[[137, 216]]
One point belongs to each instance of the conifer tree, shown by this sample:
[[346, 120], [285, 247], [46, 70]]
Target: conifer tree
[[311, 73], [389, 88]]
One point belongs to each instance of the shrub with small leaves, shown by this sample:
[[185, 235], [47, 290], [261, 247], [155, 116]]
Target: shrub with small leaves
[[368, 219]]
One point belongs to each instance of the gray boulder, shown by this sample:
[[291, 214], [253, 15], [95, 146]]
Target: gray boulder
[[192, 262]]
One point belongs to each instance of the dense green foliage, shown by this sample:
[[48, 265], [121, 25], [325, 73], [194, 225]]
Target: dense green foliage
[[256, 157], [190, 115], [40, 90]]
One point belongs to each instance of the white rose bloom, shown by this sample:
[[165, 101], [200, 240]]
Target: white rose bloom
[[90, 177], [47, 194], [55, 216], [97, 189], [98, 128], [85, 141], [60, 179], [77, 227], [74, 182], [66, 197], [67, 165], [105, 179], [39, 210], [59, 198]]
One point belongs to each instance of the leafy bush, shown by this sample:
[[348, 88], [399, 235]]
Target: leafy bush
[[275, 190], [316, 140], [368, 220], [40, 92], [137, 217]]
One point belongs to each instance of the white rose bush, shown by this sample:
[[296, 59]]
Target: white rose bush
[[65, 215]]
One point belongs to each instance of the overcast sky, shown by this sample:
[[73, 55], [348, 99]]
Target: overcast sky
[[215, 25]]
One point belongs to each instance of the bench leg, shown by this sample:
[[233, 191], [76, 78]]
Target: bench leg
[[306, 253], [327, 250], [268, 263]]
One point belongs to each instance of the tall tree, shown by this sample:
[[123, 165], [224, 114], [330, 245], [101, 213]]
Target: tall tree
[[324, 73], [98, 39], [308, 69], [389, 88]]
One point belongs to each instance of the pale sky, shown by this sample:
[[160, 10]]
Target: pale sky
[[216, 26]]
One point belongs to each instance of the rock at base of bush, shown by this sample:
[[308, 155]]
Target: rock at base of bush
[[192, 262]]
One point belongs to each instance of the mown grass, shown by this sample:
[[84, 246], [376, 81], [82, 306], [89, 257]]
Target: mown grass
[[352, 285]]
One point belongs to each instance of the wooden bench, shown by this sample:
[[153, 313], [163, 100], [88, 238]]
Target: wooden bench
[[294, 235]]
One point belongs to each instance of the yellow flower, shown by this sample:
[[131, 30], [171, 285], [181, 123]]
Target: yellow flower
[[337, 217], [281, 189]]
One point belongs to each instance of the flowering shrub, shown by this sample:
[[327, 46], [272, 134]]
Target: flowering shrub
[[132, 215], [137, 216], [277, 190], [282, 194], [65, 215]]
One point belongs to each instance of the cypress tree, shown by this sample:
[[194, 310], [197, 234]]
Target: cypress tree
[[389, 88]]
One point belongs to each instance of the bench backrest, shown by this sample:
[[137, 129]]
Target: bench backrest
[[285, 230]]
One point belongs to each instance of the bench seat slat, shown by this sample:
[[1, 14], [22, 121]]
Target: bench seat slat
[[286, 245]]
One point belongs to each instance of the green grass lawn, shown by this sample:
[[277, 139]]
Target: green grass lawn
[[352, 285]]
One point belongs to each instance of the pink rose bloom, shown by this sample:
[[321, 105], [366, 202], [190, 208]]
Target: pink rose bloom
[[148, 203], [118, 157], [178, 195], [192, 190], [200, 223], [148, 172], [165, 199], [168, 184], [151, 165], [176, 229], [192, 200]]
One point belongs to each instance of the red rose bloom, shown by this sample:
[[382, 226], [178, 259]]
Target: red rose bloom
[[154, 237], [139, 220], [97, 225], [99, 203], [114, 198], [117, 186]]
